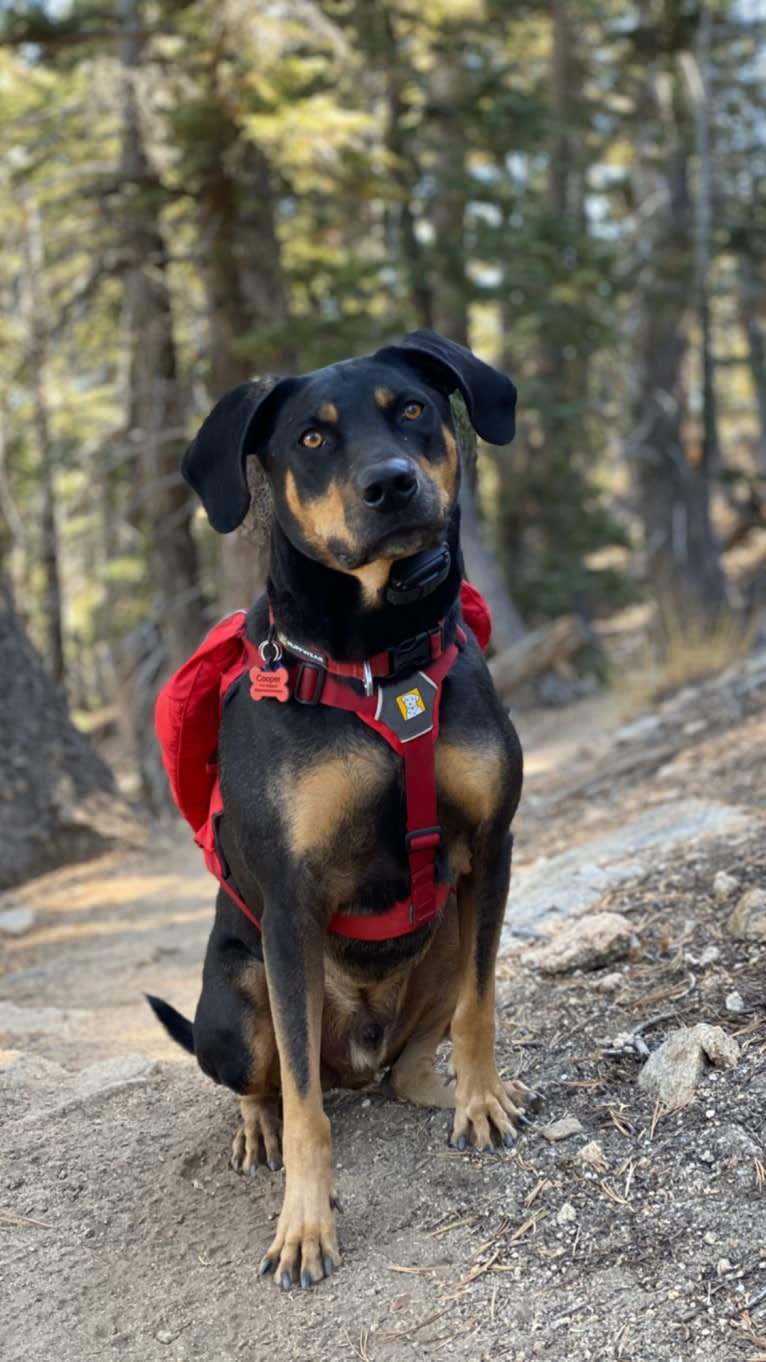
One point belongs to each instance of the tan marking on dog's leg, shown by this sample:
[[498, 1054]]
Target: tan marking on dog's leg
[[413, 1078], [323, 796], [425, 1019], [384, 397], [263, 1077], [470, 778], [259, 1109], [260, 1122], [483, 1102], [328, 412], [305, 1246]]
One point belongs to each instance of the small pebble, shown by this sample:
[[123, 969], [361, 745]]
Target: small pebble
[[694, 726], [16, 921], [748, 921], [609, 982], [562, 1129], [735, 1002], [725, 886], [710, 955]]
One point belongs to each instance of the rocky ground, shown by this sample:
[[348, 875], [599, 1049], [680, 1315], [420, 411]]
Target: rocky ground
[[624, 1225]]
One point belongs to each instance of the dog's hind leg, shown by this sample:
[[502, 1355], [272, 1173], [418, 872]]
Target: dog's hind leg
[[412, 1077], [425, 1021], [235, 1045], [258, 1139]]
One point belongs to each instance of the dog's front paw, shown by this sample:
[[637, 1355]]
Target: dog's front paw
[[258, 1139], [487, 1110], [305, 1247]]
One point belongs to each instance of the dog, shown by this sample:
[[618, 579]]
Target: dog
[[363, 466]]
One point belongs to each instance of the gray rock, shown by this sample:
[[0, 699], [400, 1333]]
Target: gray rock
[[16, 921], [675, 1068], [592, 1156], [735, 1002], [638, 730], [709, 955], [19, 1070], [568, 884], [748, 921], [561, 1129], [587, 943], [43, 1021], [609, 983], [725, 886], [113, 1073]]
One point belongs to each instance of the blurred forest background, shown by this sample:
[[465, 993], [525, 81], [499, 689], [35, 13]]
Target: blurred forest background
[[193, 192]]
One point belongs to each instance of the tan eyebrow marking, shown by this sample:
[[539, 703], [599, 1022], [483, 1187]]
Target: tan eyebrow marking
[[384, 397], [328, 412]]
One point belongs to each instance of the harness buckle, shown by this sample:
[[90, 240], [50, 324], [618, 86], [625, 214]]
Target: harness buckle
[[304, 693], [411, 653]]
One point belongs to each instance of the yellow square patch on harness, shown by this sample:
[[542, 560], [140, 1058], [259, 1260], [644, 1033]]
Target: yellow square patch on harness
[[411, 703]]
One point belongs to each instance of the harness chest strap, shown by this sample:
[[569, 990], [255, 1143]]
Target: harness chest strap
[[312, 685]]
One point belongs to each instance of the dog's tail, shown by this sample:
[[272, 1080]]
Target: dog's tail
[[178, 1027]]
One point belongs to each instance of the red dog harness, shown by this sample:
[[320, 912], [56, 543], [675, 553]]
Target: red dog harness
[[405, 713]]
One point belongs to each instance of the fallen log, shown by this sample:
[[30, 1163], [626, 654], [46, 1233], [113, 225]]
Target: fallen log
[[539, 651]]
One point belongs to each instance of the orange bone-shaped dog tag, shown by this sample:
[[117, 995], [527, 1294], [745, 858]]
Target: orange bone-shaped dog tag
[[269, 685]]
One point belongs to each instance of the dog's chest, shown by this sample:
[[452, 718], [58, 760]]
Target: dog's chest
[[332, 793], [348, 810]]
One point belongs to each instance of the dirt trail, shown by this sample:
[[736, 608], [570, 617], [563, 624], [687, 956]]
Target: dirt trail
[[123, 1233]]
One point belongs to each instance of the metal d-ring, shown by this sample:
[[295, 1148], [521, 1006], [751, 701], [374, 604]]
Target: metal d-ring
[[270, 643], [367, 680]]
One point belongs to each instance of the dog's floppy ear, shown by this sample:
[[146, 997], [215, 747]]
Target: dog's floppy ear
[[489, 395], [214, 463]]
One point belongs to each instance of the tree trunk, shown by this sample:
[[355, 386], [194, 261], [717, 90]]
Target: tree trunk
[[538, 652], [673, 494], [384, 46], [564, 368], [480, 564], [246, 297], [697, 72], [156, 421], [38, 362], [156, 416], [449, 308], [58, 801], [750, 311]]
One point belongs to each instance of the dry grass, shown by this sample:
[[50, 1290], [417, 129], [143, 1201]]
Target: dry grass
[[690, 653]]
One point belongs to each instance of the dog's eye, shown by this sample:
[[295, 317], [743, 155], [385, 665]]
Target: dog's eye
[[312, 439], [412, 410]]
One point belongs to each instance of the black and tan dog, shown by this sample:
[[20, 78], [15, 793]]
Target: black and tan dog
[[364, 471]]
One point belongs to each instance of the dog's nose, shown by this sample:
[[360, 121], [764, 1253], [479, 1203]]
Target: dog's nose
[[388, 486]]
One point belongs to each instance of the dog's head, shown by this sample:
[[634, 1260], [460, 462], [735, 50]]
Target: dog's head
[[361, 456]]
